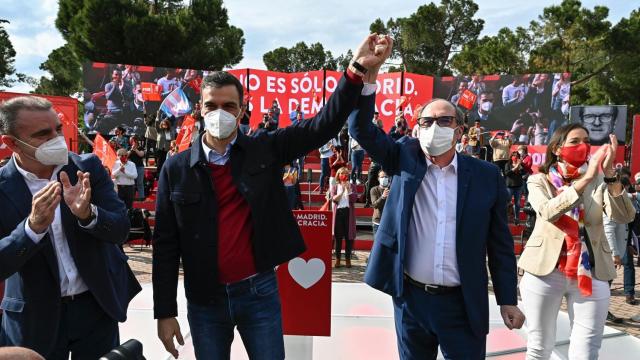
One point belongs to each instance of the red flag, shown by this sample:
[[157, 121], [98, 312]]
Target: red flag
[[183, 139], [195, 84], [102, 149], [467, 99]]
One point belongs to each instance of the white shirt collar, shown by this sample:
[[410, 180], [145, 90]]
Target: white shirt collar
[[33, 177], [208, 150], [452, 165]]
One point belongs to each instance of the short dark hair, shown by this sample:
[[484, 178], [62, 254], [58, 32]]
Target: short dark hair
[[557, 139], [218, 79], [9, 110]]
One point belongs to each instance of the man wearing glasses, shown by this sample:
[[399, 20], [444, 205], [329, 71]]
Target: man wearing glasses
[[600, 121], [432, 265]]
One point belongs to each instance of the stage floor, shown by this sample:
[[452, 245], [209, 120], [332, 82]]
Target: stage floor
[[361, 328]]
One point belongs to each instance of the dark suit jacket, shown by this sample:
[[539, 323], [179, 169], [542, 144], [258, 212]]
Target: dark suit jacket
[[481, 221], [32, 296], [186, 209]]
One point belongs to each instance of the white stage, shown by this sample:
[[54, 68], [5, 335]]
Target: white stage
[[361, 328]]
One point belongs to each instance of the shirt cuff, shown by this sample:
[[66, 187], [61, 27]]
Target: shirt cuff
[[92, 224], [32, 234], [352, 77], [369, 89]]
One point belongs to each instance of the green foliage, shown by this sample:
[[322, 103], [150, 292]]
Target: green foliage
[[425, 41], [160, 33], [300, 57], [8, 75], [65, 73]]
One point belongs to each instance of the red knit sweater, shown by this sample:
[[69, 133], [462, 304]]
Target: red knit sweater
[[235, 253]]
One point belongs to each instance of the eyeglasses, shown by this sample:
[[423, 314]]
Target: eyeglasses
[[591, 118], [442, 121]]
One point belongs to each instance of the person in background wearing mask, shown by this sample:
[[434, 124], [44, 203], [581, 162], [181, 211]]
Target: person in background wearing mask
[[379, 195], [290, 179], [166, 134], [121, 140], [336, 162], [136, 155], [343, 197], [501, 145], [432, 264], [124, 174], [527, 164], [567, 255], [513, 171], [618, 235], [229, 240], [61, 227], [476, 138]]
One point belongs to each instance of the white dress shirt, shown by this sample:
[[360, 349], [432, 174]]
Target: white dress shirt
[[216, 158], [126, 177], [344, 199], [71, 282], [431, 256]]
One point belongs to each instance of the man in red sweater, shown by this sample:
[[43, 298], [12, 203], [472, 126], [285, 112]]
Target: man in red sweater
[[222, 209]]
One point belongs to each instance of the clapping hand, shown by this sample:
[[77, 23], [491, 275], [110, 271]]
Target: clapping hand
[[78, 196]]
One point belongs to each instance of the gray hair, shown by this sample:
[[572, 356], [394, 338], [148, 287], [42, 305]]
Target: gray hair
[[9, 110]]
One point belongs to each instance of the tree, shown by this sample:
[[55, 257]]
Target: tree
[[8, 74], [426, 40], [343, 60], [505, 53], [300, 57], [65, 70], [196, 36]]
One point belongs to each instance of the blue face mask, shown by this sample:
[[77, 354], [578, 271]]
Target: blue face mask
[[384, 181]]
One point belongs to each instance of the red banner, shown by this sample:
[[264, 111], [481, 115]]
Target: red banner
[[418, 89], [305, 282], [104, 151], [67, 110], [635, 146], [538, 155], [183, 139]]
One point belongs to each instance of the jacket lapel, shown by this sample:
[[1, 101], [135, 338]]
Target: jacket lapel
[[464, 176], [15, 188]]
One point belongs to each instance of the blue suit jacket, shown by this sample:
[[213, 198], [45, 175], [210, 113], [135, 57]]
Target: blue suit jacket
[[481, 221], [31, 301]]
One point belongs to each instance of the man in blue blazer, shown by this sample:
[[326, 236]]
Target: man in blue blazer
[[67, 280], [446, 213]]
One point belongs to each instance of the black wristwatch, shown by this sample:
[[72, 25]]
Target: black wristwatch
[[357, 68], [610, 180]]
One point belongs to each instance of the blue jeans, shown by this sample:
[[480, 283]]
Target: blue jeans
[[325, 171], [253, 305], [140, 182], [357, 156], [629, 274], [515, 193]]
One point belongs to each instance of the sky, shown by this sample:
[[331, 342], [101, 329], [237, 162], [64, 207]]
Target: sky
[[338, 24]]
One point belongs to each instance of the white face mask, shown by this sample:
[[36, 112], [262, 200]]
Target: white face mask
[[384, 182], [219, 123], [565, 109], [436, 140], [51, 152], [486, 106]]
